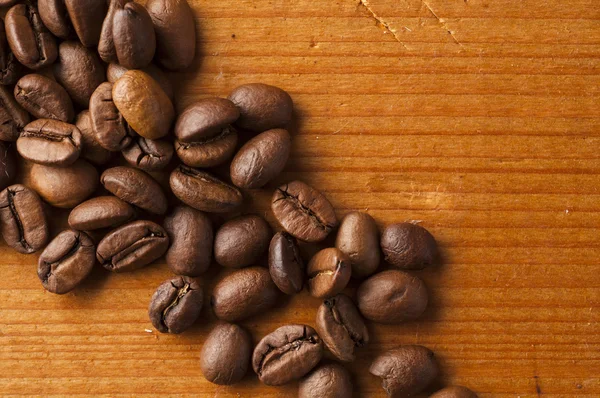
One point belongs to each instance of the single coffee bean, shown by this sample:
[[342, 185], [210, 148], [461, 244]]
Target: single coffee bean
[[149, 155], [44, 98], [287, 354], [191, 235], [454, 392], [22, 219], [243, 294], [8, 166], [285, 263], [392, 297], [406, 370], [132, 246], [10, 68], [106, 45], [55, 17], [13, 118], [331, 380], [64, 187], [358, 237], [176, 305], [66, 261], [303, 212], [101, 212], [136, 187], [82, 17], [175, 32], [115, 71], [262, 107], [226, 353], [203, 191], [50, 142], [341, 327], [329, 272], [408, 246], [110, 128], [91, 149], [240, 242]]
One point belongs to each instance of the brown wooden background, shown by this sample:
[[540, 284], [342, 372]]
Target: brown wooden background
[[479, 117]]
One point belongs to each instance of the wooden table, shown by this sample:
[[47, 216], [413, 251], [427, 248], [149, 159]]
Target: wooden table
[[480, 118]]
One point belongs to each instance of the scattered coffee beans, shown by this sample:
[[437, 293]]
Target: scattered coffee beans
[[226, 353], [136, 187], [13, 118], [262, 107], [149, 155], [329, 272], [331, 380], [44, 98], [454, 392], [358, 238], [408, 246], [241, 241], [64, 187], [285, 263], [176, 305], [50, 142], [100, 212]]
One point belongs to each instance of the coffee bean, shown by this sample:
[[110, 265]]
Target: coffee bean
[[8, 166], [261, 159], [287, 354], [50, 142], [406, 370], [303, 212], [392, 297], [67, 261], [331, 380], [203, 191], [83, 17], [55, 17], [408, 246], [191, 235], [110, 128], [243, 294], [115, 71], [358, 237], [44, 98], [262, 107], [149, 155], [285, 264], [100, 212], [329, 272], [176, 305], [10, 68], [241, 241], [136, 187], [132, 246], [454, 392], [91, 149], [226, 354], [12, 117], [22, 219]]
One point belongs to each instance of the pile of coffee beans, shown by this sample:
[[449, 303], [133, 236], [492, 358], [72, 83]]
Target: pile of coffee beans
[[81, 81]]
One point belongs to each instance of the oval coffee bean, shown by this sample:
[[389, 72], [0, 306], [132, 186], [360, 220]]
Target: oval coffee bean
[[13, 118], [66, 261], [408, 246], [203, 191], [241, 241], [110, 128], [64, 187], [106, 44], [454, 392], [406, 370], [22, 219], [100, 212], [91, 149], [50, 142], [261, 159], [136, 187], [262, 107], [191, 235], [8, 166], [341, 327], [55, 17], [176, 305], [133, 36], [392, 297], [244, 293], [132, 246], [86, 17], [10, 68], [44, 98], [208, 153], [115, 71], [149, 155], [287, 354], [329, 272], [226, 354], [303, 211], [331, 380], [285, 264], [358, 237]]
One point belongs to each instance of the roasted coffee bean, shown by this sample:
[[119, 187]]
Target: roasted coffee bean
[[287, 354], [175, 32], [408, 246], [31, 43], [64, 187], [66, 261], [149, 155], [22, 219], [329, 272], [136, 187], [358, 237], [261, 159], [106, 45], [44, 98], [101, 212], [10, 68], [303, 211], [406, 370], [55, 17], [241, 241], [91, 150], [392, 297], [176, 305], [50, 142], [12, 117], [331, 380], [191, 235], [115, 71], [454, 392], [244, 293], [84, 17], [110, 128], [203, 191], [262, 107], [132, 246], [341, 327], [8, 166], [226, 354], [285, 264]]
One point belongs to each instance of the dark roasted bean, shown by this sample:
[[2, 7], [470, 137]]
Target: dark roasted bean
[[241, 241], [110, 128], [149, 155], [408, 246], [262, 107], [44, 98], [101, 212], [331, 380], [329, 272], [176, 305], [285, 264], [226, 353], [67, 18], [8, 166], [136, 187]]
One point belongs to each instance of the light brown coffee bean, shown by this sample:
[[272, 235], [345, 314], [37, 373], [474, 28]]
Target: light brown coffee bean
[[329, 272], [100, 212], [50, 142], [358, 237], [115, 71]]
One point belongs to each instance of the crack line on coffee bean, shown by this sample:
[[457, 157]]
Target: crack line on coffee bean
[[13, 209], [180, 294], [23, 94], [205, 177], [227, 131], [286, 348], [36, 26], [144, 240], [337, 318], [298, 204], [74, 248], [48, 136]]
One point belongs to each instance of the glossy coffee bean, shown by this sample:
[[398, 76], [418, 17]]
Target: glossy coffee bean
[[262, 107], [64, 187], [66, 261], [330, 380], [225, 355], [358, 237], [285, 263], [392, 297], [287, 354], [176, 305], [408, 246], [328, 272], [8, 166], [241, 241], [454, 392], [12, 116], [22, 219], [91, 149], [50, 142], [10, 69], [136, 187], [149, 155], [110, 128], [100, 212], [67, 18], [406, 370], [106, 44], [44, 98], [115, 71]]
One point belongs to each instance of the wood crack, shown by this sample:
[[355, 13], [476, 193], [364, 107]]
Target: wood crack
[[382, 22], [442, 22]]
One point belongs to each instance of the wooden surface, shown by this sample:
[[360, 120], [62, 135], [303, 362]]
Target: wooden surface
[[481, 118]]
